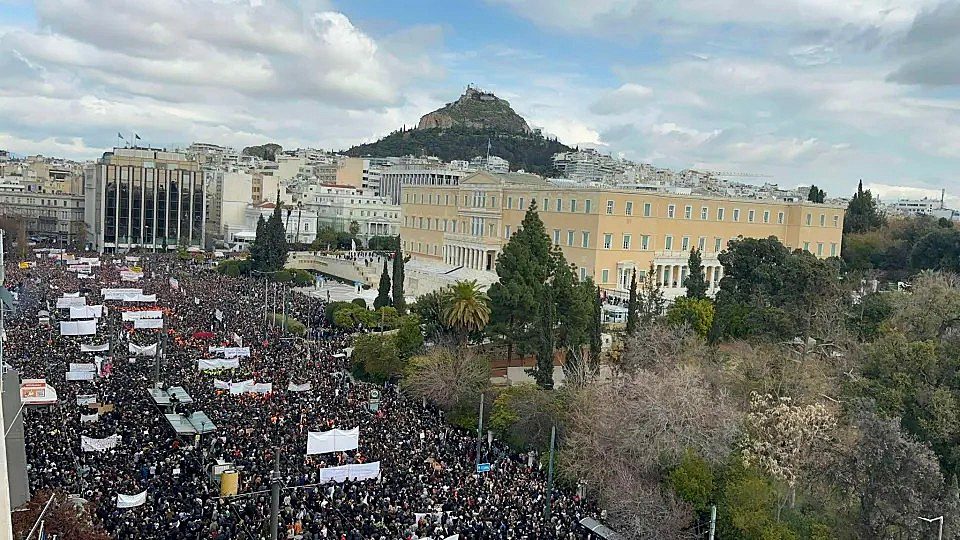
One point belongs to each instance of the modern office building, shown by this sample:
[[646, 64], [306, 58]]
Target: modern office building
[[606, 232], [147, 198]]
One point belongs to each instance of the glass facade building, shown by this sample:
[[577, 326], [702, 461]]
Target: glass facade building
[[150, 198]]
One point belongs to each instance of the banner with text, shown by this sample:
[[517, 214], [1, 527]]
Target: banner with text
[[335, 440]]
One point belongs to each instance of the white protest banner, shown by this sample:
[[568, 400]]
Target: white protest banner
[[240, 387], [148, 323], [221, 385], [86, 312], [70, 301], [79, 375], [84, 276], [261, 388], [335, 440], [146, 314], [119, 294], [174, 283], [86, 399], [205, 364], [130, 501], [231, 352], [358, 471], [218, 314], [90, 261], [89, 444], [82, 367], [140, 298], [94, 348], [305, 387], [71, 295], [126, 275], [85, 418], [146, 350], [78, 328], [237, 339], [131, 258]]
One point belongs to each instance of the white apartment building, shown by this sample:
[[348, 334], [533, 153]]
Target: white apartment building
[[915, 207], [393, 178], [587, 166], [338, 206]]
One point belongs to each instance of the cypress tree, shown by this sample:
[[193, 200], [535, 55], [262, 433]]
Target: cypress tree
[[632, 305], [546, 341], [258, 252], [696, 280], [399, 302], [383, 292]]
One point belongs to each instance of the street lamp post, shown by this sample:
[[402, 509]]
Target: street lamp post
[[931, 520]]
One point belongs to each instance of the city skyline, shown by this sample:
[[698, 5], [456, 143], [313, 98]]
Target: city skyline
[[808, 92]]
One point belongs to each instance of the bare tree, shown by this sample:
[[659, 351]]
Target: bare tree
[[447, 377], [623, 434], [660, 345]]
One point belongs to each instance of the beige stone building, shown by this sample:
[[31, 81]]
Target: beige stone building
[[607, 233]]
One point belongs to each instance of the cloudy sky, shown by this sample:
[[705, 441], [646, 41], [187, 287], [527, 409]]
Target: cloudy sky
[[804, 90]]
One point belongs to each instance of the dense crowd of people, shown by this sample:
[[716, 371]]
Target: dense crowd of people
[[428, 486]]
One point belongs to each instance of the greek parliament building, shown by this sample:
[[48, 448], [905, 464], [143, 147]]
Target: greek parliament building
[[606, 232], [145, 197]]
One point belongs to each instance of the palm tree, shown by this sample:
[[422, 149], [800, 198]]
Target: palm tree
[[466, 307]]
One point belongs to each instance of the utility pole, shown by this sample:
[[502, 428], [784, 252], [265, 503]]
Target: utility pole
[[546, 507], [275, 495], [713, 520], [480, 433], [6, 517]]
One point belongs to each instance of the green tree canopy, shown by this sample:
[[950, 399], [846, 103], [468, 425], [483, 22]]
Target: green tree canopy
[[696, 280], [816, 195], [383, 291], [862, 213]]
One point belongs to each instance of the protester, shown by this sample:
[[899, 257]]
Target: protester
[[428, 486]]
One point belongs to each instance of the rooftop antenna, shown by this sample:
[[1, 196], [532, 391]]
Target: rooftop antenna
[[942, 193]]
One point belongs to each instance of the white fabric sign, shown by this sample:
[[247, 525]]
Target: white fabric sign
[[79, 375], [94, 348], [335, 440], [262, 388], [305, 387], [231, 352], [241, 387], [148, 323], [133, 298], [130, 501], [147, 314], [89, 444], [205, 364], [119, 294], [237, 339], [86, 399], [84, 276], [146, 350], [358, 471], [71, 295], [86, 312], [70, 301], [174, 283], [78, 328], [126, 275], [221, 385], [218, 314], [83, 367], [85, 418]]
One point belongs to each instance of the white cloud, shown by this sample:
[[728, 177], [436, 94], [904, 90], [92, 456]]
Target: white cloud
[[627, 97], [228, 71]]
